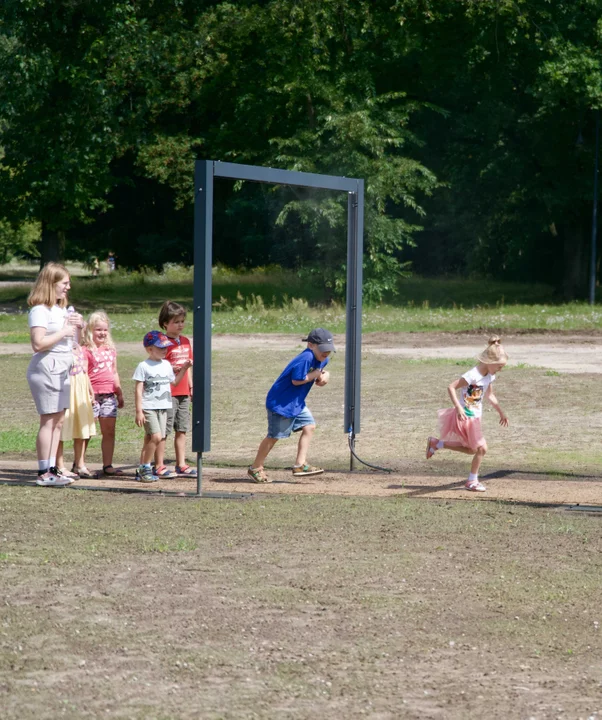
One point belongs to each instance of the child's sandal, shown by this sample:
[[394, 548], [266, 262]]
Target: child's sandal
[[258, 476], [163, 472], [83, 472], [110, 471], [430, 447], [185, 470], [68, 474]]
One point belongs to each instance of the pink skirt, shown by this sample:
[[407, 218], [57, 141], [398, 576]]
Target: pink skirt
[[466, 432]]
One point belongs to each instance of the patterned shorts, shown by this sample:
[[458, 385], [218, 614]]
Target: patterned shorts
[[105, 405]]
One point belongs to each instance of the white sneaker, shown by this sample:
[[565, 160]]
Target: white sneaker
[[475, 486], [51, 480]]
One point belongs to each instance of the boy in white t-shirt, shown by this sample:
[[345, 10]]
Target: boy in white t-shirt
[[154, 378]]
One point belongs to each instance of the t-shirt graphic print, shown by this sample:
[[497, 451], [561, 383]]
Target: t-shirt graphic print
[[156, 376], [474, 392]]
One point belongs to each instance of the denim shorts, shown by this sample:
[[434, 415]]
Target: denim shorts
[[280, 427]]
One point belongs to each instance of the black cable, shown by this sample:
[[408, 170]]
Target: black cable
[[356, 456]]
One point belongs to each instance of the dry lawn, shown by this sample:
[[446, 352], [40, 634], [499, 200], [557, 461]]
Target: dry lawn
[[140, 607], [313, 606]]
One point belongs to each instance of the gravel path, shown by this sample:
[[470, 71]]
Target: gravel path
[[571, 353]]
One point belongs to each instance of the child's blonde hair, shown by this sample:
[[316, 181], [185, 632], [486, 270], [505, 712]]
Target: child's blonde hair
[[42, 292], [494, 353], [97, 317]]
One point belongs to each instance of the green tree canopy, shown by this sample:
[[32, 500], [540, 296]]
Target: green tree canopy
[[472, 119]]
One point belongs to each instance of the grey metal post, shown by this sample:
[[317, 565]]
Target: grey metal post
[[203, 261], [205, 172], [592, 270], [353, 330]]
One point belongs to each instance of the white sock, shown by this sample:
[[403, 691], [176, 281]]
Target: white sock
[[473, 477], [298, 465], [43, 465], [439, 444], [52, 461]]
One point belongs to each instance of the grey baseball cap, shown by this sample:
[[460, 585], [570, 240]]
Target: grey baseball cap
[[322, 338]]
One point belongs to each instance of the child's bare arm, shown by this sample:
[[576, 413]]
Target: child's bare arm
[[190, 380], [180, 374], [138, 396], [451, 389], [494, 401], [310, 377], [90, 388], [118, 390], [323, 379]]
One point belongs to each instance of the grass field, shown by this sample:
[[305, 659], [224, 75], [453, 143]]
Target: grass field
[[275, 301], [130, 607], [302, 607], [556, 419]]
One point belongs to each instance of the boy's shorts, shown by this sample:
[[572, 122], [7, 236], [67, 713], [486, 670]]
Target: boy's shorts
[[178, 418], [155, 422], [105, 405], [280, 427]]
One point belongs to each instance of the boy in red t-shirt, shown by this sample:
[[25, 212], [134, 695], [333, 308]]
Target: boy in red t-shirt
[[172, 318]]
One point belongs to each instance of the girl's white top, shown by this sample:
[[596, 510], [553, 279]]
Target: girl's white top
[[474, 392], [53, 320]]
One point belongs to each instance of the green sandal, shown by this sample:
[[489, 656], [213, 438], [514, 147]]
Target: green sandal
[[257, 475]]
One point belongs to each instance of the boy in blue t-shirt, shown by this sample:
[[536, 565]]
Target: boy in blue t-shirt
[[285, 403]]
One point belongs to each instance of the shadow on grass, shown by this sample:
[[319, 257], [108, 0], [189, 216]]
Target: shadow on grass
[[571, 476], [245, 479], [27, 478]]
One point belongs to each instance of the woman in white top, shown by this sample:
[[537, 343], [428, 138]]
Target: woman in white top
[[51, 329]]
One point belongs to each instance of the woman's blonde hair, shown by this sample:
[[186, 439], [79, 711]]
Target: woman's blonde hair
[[97, 317], [42, 292], [494, 353]]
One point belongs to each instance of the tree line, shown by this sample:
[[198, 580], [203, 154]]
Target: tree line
[[472, 122]]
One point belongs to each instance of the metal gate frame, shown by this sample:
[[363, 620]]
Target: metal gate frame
[[205, 172]]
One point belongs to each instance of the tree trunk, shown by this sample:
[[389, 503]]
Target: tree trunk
[[52, 245], [576, 260]]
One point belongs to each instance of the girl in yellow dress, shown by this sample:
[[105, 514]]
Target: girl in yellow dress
[[79, 424]]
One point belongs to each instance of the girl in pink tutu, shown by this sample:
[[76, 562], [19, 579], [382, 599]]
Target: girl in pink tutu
[[460, 426]]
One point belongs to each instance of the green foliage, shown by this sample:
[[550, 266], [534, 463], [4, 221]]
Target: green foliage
[[18, 242], [471, 123]]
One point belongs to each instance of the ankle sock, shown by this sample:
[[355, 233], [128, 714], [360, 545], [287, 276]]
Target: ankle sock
[[439, 445], [473, 477]]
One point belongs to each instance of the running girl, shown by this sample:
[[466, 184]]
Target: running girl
[[460, 426]]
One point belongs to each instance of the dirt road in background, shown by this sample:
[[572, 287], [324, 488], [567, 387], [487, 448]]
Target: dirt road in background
[[566, 353]]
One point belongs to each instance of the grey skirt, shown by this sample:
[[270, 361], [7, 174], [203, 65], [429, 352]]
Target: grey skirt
[[49, 381]]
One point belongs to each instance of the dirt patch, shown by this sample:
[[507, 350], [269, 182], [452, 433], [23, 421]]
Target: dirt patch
[[295, 608], [571, 489], [570, 353]]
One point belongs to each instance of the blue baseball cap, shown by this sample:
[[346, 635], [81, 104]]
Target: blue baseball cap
[[156, 338]]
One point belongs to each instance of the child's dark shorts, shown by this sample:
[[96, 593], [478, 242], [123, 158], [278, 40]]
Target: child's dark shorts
[[105, 405], [280, 427]]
